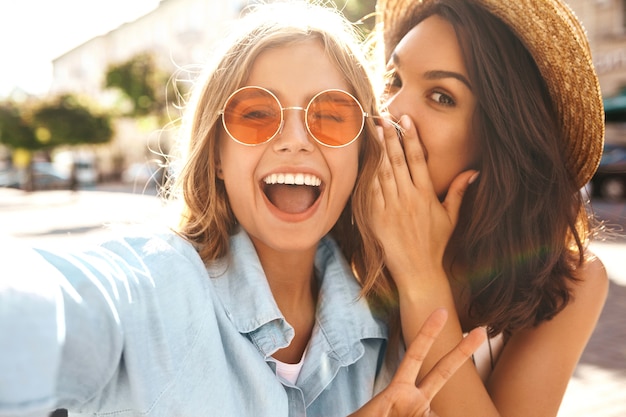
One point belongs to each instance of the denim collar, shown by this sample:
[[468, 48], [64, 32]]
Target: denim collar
[[343, 318]]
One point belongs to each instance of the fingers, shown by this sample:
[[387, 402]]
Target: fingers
[[432, 383], [418, 349], [454, 197], [412, 362], [405, 153], [386, 173], [415, 156]]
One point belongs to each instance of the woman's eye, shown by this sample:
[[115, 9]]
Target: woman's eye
[[442, 98], [327, 116], [393, 81], [258, 114]]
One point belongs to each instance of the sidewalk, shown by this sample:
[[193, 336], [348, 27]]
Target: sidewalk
[[597, 389], [68, 218]]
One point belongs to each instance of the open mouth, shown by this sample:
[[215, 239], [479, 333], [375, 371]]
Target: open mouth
[[292, 193]]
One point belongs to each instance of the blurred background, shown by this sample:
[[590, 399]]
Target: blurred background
[[105, 108], [90, 92], [90, 97]]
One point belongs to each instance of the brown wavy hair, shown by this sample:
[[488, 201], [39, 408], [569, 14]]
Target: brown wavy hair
[[208, 221], [523, 227]]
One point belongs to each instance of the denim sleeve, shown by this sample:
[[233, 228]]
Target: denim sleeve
[[59, 328]]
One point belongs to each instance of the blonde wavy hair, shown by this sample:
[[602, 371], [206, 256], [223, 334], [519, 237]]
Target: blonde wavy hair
[[207, 219]]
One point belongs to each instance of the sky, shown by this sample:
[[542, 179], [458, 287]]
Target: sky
[[34, 32]]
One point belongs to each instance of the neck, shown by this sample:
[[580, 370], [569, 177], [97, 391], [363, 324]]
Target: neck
[[291, 277]]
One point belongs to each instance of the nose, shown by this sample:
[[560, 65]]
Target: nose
[[293, 135]]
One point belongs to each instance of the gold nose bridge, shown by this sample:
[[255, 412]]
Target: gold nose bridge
[[293, 108], [303, 109], [282, 118]]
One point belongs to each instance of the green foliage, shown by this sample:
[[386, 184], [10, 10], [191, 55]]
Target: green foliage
[[358, 11], [46, 125], [65, 121], [15, 130], [141, 81]]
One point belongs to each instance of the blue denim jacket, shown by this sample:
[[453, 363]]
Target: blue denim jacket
[[139, 326]]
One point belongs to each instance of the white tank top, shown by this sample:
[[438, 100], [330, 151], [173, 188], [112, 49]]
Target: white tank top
[[289, 371], [487, 354]]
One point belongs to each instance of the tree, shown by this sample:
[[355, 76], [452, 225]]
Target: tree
[[141, 81], [42, 126], [15, 130], [360, 11], [66, 121]]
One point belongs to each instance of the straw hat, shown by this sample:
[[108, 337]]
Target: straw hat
[[556, 39]]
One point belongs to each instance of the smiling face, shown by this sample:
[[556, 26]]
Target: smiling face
[[430, 83], [289, 192]]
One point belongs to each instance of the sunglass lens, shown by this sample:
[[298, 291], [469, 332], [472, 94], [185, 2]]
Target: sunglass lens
[[335, 118], [252, 116]]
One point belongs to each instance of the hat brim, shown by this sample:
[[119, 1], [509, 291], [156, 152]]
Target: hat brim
[[556, 39]]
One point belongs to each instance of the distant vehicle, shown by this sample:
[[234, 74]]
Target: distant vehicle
[[142, 174], [9, 178], [80, 164], [45, 177], [609, 181], [86, 172]]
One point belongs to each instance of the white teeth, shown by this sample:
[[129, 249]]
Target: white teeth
[[293, 179]]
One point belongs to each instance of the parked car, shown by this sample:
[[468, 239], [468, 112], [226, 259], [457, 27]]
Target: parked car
[[86, 172], [45, 177], [609, 181], [142, 174], [9, 178], [80, 164]]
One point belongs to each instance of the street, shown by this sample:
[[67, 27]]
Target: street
[[65, 218]]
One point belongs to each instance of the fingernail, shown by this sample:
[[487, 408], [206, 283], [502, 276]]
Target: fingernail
[[474, 177]]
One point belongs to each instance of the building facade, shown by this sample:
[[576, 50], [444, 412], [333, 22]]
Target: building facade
[[180, 34], [605, 22]]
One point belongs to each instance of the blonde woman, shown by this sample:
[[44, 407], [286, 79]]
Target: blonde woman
[[249, 307]]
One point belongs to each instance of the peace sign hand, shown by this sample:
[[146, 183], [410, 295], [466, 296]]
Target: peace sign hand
[[406, 397]]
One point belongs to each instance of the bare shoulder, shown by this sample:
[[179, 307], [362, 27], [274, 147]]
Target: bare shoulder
[[550, 351], [593, 279]]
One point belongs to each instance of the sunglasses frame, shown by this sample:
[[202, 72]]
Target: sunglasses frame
[[282, 116]]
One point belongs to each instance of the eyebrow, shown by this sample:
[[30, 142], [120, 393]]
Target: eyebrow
[[440, 74], [436, 74]]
